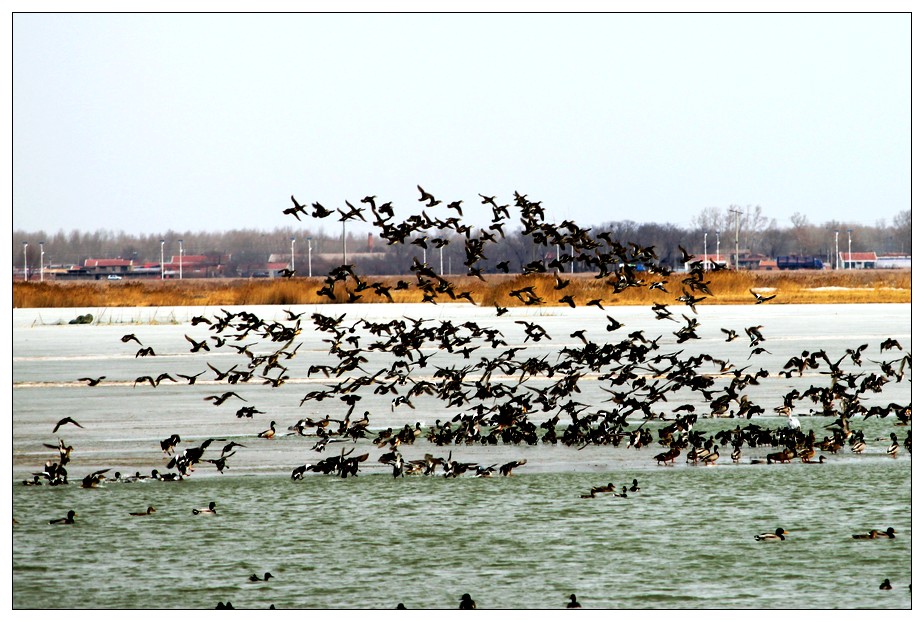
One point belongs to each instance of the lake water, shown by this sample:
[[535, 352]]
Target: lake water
[[684, 541]]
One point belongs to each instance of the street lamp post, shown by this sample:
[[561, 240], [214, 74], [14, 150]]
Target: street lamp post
[[737, 213], [293, 255], [849, 252], [181, 260], [837, 252], [42, 261], [162, 260], [705, 252], [309, 256], [25, 261]]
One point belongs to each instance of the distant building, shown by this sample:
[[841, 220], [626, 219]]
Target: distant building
[[893, 261], [857, 260]]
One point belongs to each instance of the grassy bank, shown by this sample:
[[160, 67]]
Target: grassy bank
[[727, 287]]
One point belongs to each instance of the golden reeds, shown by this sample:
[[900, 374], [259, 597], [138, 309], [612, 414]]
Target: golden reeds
[[726, 287]]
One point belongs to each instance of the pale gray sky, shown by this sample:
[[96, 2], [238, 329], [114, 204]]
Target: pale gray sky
[[205, 122]]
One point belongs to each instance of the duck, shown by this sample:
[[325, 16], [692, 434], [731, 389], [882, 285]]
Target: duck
[[165, 477], [208, 510], [466, 602], [821, 460], [635, 487], [622, 494], [876, 533], [573, 603], [775, 535], [893, 448], [266, 577], [710, 458], [67, 520], [147, 512], [885, 585], [270, 433]]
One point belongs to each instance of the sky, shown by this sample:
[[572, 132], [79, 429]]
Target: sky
[[204, 122]]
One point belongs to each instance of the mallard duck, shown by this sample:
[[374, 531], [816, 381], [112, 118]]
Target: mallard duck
[[150, 510], [208, 510], [775, 535], [67, 520], [869, 535], [893, 448]]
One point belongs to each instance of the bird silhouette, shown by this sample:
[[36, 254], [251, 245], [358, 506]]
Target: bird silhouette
[[759, 298], [65, 421]]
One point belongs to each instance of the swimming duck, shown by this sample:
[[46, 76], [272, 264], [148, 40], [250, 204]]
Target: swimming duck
[[821, 460], [876, 533], [166, 477], [893, 448], [776, 535], [268, 433], [573, 604], [208, 510], [150, 510], [622, 494], [635, 487], [266, 577], [467, 602], [885, 585], [68, 520]]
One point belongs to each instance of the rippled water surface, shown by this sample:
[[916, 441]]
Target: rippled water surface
[[686, 540]]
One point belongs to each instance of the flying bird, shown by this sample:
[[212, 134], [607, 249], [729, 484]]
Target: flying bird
[[65, 421], [760, 298]]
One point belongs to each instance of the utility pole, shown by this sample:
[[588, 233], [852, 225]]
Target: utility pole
[[737, 213], [42, 261], [343, 238], [705, 252], [837, 252], [717, 249], [161, 259], [25, 261], [849, 252], [309, 256], [181, 259], [292, 267]]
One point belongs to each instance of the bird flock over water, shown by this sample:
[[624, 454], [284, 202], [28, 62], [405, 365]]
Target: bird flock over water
[[493, 389]]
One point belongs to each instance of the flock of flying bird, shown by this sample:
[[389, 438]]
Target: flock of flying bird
[[499, 394]]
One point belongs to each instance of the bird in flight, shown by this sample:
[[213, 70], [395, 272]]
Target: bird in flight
[[760, 298], [429, 198], [91, 381], [295, 209], [65, 421]]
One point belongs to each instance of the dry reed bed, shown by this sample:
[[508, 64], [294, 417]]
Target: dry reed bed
[[726, 287]]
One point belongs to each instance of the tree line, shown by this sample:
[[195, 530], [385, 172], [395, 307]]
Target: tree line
[[712, 230]]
